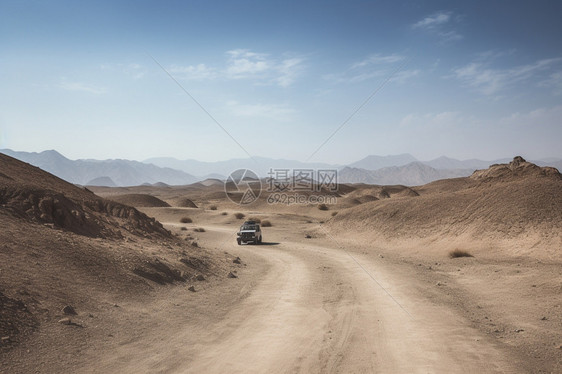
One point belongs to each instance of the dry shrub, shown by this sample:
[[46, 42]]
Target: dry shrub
[[199, 229], [224, 213], [266, 223], [323, 207], [256, 220], [183, 228], [213, 207], [334, 214], [459, 253], [186, 220], [239, 215]]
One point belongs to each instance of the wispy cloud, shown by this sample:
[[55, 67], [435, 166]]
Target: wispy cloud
[[374, 66], [553, 81], [246, 64], [439, 24], [82, 87], [404, 75], [133, 70], [288, 70], [193, 72], [433, 21], [270, 111], [442, 119], [494, 54], [348, 77], [490, 81], [449, 36], [548, 117], [378, 59], [540, 117]]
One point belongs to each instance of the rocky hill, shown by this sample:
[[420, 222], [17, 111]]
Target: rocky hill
[[69, 258], [31, 194], [518, 202]]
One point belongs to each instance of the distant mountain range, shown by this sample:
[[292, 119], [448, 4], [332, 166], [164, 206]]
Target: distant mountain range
[[374, 162], [412, 174], [221, 169], [402, 169], [104, 173], [378, 162], [415, 173]]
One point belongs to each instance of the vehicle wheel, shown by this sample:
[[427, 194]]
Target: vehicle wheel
[[239, 242], [259, 241]]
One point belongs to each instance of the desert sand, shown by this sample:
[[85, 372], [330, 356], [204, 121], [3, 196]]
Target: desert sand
[[367, 286]]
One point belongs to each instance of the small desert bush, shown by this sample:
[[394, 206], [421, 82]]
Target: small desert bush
[[334, 214], [239, 215], [266, 223], [459, 253], [213, 207], [224, 213], [199, 229], [186, 220], [323, 207], [256, 220], [183, 228]]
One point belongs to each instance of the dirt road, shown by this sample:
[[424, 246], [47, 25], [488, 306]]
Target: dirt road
[[307, 306]]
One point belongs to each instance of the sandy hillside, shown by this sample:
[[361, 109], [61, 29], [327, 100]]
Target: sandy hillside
[[139, 200], [517, 206], [61, 245]]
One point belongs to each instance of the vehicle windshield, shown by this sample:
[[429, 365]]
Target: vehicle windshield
[[248, 227]]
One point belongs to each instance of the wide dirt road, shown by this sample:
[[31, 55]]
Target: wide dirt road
[[314, 308]]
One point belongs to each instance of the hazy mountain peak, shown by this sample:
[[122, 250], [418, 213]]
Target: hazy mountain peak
[[106, 172], [374, 162], [412, 174]]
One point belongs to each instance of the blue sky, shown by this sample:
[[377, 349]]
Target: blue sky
[[473, 79]]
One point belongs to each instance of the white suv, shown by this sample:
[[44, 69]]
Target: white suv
[[250, 232]]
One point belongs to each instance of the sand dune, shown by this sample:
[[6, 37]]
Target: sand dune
[[505, 202], [184, 202], [62, 245], [140, 200]]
